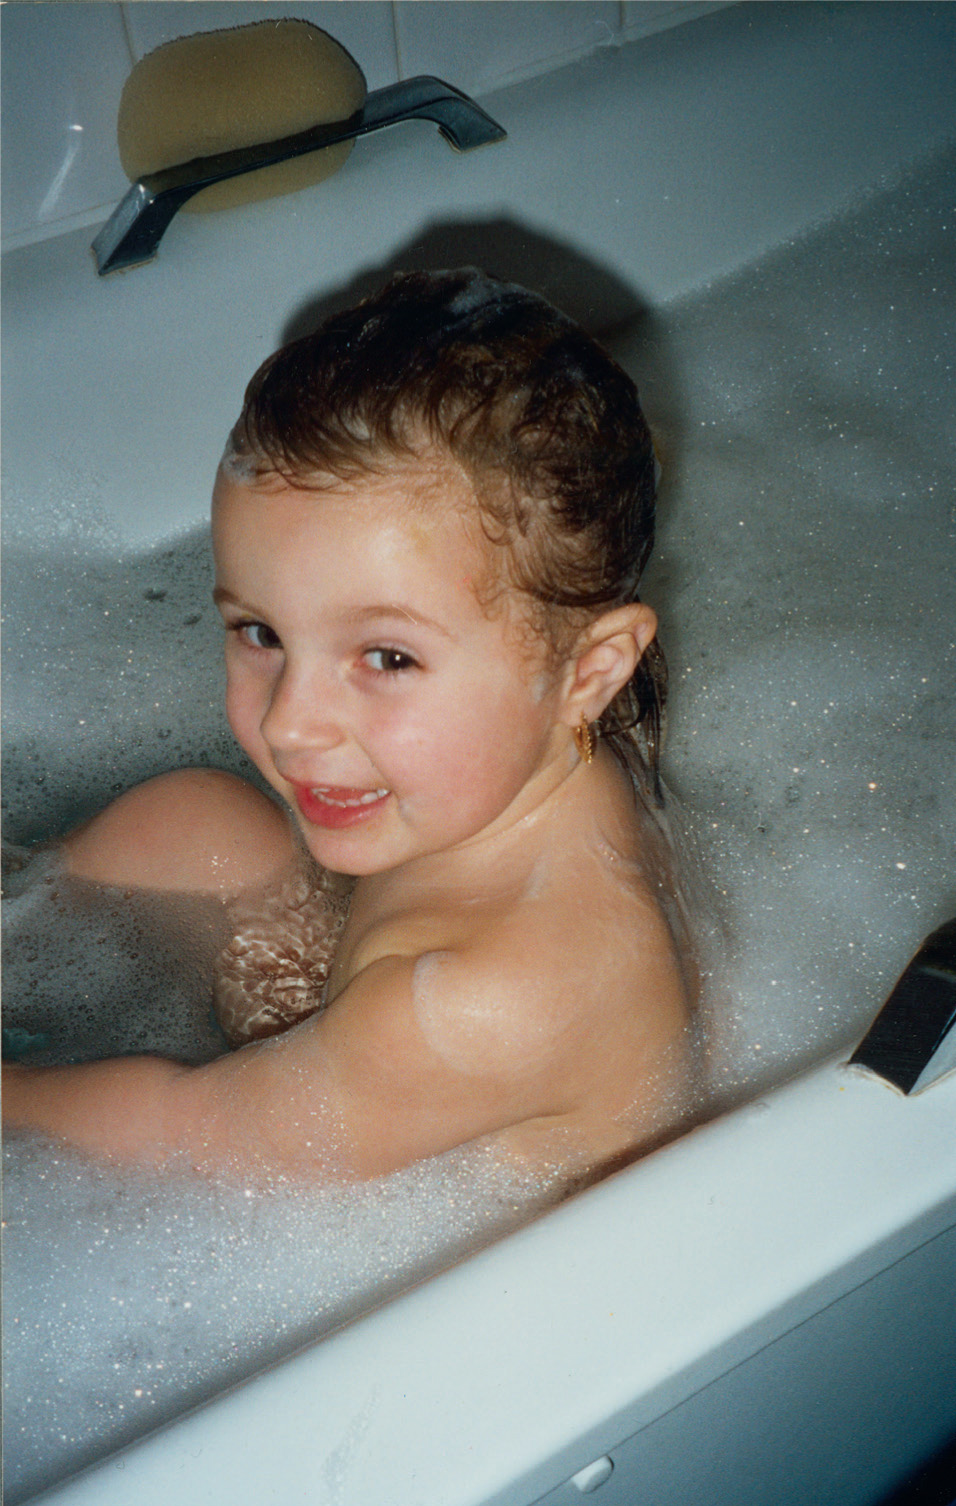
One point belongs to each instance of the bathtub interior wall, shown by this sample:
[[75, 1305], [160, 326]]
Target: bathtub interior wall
[[812, 727], [702, 165]]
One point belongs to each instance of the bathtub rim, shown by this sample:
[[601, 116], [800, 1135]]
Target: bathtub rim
[[512, 1421]]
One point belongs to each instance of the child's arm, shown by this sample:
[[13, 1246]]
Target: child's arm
[[354, 1091], [128, 1106], [360, 1090], [414, 1057]]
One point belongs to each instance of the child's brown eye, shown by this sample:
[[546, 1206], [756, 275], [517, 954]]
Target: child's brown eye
[[258, 634], [390, 661]]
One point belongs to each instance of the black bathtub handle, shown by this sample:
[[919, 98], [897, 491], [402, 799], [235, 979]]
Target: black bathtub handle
[[917, 1017]]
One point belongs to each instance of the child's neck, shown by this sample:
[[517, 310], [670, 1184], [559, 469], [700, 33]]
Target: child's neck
[[499, 859]]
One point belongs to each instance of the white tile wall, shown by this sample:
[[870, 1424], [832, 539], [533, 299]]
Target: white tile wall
[[641, 18], [63, 68], [479, 46], [64, 64]]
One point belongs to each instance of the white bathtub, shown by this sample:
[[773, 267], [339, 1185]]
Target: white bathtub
[[761, 1311]]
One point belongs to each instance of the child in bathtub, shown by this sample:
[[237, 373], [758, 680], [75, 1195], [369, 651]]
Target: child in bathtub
[[429, 526]]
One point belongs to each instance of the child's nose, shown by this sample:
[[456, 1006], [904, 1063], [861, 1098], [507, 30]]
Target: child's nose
[[302, 714]]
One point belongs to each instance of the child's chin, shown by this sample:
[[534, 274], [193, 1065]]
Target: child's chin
[[341, 852]]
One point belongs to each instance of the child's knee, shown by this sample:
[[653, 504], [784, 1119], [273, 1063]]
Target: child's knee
[[191, 830]]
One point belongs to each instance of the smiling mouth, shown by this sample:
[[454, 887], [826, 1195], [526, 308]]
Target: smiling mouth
[[335, 807], [346, 800]]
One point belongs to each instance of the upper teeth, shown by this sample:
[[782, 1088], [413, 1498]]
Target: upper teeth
[[366, 799]]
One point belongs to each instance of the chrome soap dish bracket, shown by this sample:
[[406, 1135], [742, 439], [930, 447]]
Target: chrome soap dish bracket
[[134, 230]]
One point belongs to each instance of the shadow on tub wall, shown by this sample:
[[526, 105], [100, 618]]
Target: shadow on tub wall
[[597, 298]]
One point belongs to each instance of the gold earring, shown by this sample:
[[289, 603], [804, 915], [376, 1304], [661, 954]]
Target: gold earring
[[584, 741]]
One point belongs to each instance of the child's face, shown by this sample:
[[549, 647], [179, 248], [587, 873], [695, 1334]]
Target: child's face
[[395, 715]]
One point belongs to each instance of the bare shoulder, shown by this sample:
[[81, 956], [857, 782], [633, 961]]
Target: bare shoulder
[[523, 1031], [198, 830], [601, 1011], [600, 943]]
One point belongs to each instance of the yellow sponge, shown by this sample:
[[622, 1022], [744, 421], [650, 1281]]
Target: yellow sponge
[[219, 90]]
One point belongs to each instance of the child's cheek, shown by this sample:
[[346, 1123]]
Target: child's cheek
[[465, 742], [414, 744], [244, 717]]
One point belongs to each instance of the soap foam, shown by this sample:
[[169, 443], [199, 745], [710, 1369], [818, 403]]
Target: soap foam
[[130, 1297], [112, 673], [93, 971]]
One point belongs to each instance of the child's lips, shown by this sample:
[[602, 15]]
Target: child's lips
[[337, 807]]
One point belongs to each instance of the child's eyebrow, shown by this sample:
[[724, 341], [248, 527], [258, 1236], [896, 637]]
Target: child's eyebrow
[[220, 594], [392, 610], [359, 615]]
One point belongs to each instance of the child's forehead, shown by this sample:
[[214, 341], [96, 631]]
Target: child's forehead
[[425, 503], [427, 499]]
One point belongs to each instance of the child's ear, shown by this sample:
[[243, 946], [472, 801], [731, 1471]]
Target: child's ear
[[605, 658]]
